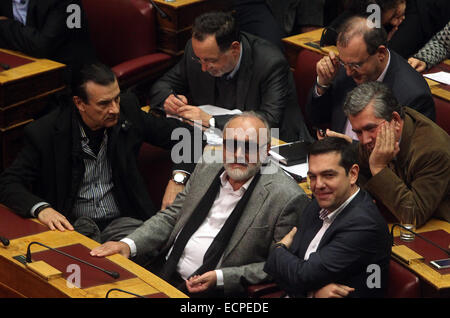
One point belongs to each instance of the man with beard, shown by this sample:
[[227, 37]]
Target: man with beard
[[214, 239], [404, 156]]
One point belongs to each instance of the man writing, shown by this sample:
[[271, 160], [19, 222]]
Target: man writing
[[339, 235], [215, 237], [227, 68]]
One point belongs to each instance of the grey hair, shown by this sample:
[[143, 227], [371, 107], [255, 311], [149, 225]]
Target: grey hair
[[252, 114], [377, 94]]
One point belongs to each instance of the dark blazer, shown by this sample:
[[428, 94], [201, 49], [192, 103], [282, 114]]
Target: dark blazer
[[264, 84], [408, 86], [357, 238], [50, 162], [46, 34]]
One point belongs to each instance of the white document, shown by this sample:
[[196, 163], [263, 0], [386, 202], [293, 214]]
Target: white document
[[300, 169], [218, 111], [441, 77]]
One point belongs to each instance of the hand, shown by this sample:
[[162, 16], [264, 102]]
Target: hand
[[333, 291], [386, 148], [110, 248], [392, 32], [326, 70], [417, 64], [54, 220], [172, 103], [194, 113], [172, 189], [201, 283], [289, 238], [3, 18], [331, 133]]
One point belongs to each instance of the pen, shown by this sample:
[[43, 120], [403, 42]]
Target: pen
[[186, 119]]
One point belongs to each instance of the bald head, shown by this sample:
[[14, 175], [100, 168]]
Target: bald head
[[357, 27]]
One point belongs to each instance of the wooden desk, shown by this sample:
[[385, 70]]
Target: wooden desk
[[295, 43], [175, 31], [24, 93], [439, 283], [16, 280]]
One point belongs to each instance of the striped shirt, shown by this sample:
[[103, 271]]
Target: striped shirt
[[95, 197]]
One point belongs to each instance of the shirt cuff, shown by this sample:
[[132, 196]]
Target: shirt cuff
[[219, 275], [131, 244], [35, 207]]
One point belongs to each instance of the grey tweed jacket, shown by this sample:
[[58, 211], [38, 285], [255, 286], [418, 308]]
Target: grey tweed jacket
[[437, 49], [272, 210]]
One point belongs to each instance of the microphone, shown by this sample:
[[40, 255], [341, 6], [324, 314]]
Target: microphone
[[123, 291], [161, 12], [28, 259], [421, 236], [4, 241]]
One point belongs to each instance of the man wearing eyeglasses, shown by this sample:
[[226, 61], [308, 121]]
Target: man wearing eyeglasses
[[215, 238], [234, 70], [363, 57]]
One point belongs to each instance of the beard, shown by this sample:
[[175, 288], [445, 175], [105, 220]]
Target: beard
[[238, 174]]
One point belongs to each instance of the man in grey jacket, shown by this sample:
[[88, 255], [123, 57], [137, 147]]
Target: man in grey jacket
[[215, 238]]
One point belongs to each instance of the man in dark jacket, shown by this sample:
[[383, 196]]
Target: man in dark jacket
[[224, 67], [80, 161]]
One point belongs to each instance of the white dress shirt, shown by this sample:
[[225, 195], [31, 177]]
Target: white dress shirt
[[20, 8], [192, 257]]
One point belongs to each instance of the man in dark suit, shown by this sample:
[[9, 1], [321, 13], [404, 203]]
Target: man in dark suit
[[342, 246], [217, 234], [363, 57], [41, 28], [224, 67], [78, 167]]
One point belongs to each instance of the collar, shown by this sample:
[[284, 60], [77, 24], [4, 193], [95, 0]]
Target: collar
[[331, 216], [406, 137], [383, 74], [236, 68], [225, 183]]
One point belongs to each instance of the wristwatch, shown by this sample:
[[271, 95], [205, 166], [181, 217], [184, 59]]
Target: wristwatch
[[279, 244], [325, 87], [180, 177]]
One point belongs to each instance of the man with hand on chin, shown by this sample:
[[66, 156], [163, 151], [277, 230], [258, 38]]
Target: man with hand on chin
[[404, 156], [215, 238]]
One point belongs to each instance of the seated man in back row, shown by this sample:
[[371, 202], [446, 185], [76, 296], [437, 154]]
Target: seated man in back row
[[215, 238], [78, 167], [341, 238], [230, 69], [363, 57]]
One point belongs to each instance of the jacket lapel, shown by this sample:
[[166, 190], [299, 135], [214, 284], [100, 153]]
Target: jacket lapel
[[244, 74], [251, 210]]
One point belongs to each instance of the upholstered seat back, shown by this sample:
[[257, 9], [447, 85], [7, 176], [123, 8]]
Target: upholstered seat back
[[121, 30], [442, 113]]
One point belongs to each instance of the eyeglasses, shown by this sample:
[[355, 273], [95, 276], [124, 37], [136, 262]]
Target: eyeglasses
[[206, 62], [247, 146], [354, 66]]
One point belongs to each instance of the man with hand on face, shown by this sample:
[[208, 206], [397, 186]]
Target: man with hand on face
[[339, 235], [78, 167], [234, 70], [363, 57], [404, 156], [214, 239]]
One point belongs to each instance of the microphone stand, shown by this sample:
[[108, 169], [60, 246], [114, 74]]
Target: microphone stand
[[28, 259], [123, 291], [160, 11], [4, 241], [421, 236]]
